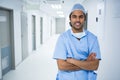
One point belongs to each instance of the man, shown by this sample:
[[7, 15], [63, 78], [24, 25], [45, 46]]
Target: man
[[77, 50]]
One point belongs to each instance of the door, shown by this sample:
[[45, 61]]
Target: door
[[33, 33], [5, 41], [41, 30]]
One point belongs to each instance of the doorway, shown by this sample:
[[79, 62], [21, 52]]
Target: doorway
[[6, 40], [33, 33]]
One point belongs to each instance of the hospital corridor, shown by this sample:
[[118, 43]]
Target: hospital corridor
[[29, 30]]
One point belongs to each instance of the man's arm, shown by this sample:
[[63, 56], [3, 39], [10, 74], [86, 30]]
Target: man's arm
[[86, 65], [64, 65], [90, 64]]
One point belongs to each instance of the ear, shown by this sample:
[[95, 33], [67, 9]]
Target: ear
[[70, 24], [85, 16]]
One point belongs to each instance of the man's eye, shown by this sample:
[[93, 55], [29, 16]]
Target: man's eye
[[81, 16], [73, 16]]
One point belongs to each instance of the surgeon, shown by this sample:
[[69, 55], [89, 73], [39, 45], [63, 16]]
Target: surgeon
[[77, 50]]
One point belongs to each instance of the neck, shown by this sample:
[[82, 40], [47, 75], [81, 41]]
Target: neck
[[77, 31]]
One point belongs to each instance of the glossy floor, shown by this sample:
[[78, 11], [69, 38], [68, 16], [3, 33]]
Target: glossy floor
[[38, 66]]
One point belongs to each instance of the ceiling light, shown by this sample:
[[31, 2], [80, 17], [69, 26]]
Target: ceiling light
[[56, 6], [61, 15]]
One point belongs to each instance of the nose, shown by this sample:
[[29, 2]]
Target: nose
[[77, 19]]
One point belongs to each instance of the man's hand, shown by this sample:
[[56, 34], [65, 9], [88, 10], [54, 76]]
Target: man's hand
[[70, 60], [91, 57]]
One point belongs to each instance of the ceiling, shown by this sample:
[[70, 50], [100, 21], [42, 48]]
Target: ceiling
[[45, 6]]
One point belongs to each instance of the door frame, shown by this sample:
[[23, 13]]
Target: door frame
[[0, 66]]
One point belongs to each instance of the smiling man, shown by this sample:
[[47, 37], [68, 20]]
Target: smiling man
[[77, 50]]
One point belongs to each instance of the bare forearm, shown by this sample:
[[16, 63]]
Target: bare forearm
[[64, 65], [87, 65]]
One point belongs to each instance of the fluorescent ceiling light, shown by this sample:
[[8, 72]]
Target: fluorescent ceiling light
[[61, 15], [56, 6]]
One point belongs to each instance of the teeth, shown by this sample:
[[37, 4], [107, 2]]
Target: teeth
[[77, 23]]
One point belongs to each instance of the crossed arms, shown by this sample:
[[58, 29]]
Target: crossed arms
[[72, 64]]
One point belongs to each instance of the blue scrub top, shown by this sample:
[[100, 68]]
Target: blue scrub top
[[68, 46]]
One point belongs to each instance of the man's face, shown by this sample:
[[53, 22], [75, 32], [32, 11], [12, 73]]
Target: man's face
[[77, 20]]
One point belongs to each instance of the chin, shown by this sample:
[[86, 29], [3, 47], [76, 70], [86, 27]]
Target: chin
[[78, 28]]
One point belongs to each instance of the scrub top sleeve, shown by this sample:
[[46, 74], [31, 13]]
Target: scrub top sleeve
[[96, 49], [60, 51]]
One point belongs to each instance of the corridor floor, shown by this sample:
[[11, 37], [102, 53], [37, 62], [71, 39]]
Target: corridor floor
[[38, 66]]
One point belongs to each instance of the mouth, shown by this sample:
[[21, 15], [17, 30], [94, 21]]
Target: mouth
[[77, 24]]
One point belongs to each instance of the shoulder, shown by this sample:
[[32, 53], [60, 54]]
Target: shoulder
[[65, 34], [63, 37], [91, 35]]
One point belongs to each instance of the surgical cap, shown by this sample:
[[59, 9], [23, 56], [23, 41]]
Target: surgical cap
[[78, 7]]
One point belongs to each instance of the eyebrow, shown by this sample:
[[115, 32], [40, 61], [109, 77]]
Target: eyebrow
[[76, 15]]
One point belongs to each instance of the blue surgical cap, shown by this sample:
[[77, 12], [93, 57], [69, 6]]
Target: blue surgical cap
[[78, 7]]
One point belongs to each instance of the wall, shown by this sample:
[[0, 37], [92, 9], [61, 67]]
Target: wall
[[110, 63], [48, 28], [60, 25], [24, 34], [91, 8], [107, 35], [17, 26], [53, 26]]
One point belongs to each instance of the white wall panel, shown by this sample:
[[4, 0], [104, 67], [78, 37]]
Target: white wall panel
[[109, 37]]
